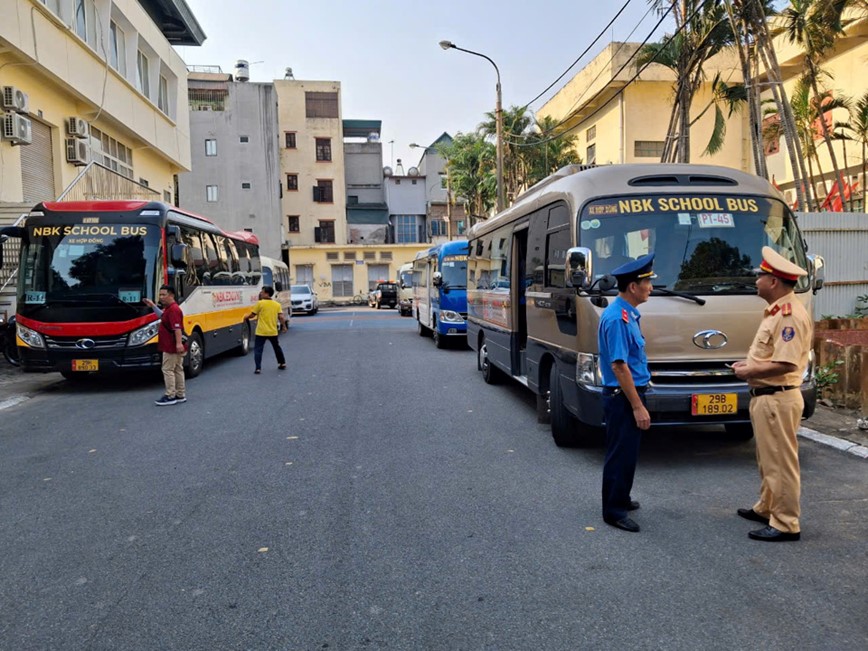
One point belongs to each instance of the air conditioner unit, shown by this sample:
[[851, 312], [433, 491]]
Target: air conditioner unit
[[76, 127], [17, 129], [77, 151], [15, 99]]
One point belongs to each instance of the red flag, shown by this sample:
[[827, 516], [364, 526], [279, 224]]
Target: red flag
[[775, 183]]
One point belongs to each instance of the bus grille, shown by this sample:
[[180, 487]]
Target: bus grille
[[99, 343], [693, 373]]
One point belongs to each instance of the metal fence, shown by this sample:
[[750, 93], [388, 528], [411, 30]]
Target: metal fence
[[9, 269], [96, 181], [842, 240]]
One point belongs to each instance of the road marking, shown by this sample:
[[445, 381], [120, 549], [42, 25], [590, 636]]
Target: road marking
[[11, 402]]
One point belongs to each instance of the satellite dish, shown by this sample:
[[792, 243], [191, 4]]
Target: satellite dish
[[413, 171], [387, 171]]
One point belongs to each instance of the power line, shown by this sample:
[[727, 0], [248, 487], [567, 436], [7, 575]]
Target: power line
[[593, 43], [620, 90]]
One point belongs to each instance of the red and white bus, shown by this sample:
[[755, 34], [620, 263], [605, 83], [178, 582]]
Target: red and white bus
[[85, 268]]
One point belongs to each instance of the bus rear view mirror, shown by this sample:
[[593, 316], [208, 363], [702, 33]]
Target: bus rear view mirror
[[179, 258], [579, 267], [437, 279], [817, 269]]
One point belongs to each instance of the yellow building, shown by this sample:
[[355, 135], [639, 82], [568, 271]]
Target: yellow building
[[616, 121], [93, 80]]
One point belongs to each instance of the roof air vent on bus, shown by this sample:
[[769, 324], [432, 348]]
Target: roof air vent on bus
[[680, 179]]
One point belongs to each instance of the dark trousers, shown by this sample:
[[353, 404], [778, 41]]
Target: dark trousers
[[260, 344], [622, 453]]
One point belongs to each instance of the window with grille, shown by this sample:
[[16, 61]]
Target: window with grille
[[322, 191], [111, 153], [289, 137], [342, 280], [292, 182], [591, 133], [292, 223], [323, 149], [370, 255], [320, 105], [325, 232], [349, 255], [304, 274], [385, 255], [331, 255], [648, 148], [245, 185], [244, 139]]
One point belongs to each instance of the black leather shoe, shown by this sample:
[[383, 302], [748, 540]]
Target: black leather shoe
[[624, 523], [750, 514], [632, 505], [770, 534]]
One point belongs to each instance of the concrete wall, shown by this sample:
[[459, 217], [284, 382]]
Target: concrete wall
[[406, 195], [251, 111], [364, 171]]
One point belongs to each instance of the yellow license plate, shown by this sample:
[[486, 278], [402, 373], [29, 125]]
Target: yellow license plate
[[714, 404], [85, 365]]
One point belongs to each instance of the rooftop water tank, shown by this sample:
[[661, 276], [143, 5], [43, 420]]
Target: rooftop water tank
[[242, 70]]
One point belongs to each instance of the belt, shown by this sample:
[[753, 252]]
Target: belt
[[767, 391], [614, 391]]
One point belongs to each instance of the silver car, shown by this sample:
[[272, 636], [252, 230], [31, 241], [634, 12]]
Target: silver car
[[304, 299]]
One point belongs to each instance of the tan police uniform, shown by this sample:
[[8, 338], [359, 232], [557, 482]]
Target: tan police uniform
[[784, 335]]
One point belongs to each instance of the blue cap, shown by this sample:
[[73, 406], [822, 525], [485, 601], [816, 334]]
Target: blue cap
[[637, 269]]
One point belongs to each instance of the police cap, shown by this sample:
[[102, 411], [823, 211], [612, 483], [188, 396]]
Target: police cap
[[637, 269], [777, 265]]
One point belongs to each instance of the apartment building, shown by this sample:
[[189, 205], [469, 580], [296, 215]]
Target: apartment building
[[235, 177], [446, 217], [93, 80]]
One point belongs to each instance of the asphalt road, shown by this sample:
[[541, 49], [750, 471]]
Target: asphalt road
[[379, 495]]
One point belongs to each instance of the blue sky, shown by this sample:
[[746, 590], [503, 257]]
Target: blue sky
[[385, 53]]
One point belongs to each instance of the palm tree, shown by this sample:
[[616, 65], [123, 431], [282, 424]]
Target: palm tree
[[516, 122], [859, 128], [470, 160], [702, 31], [815, 25], [545, 155]]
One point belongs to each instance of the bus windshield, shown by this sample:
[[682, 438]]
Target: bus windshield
[[81, 264], [454, 270], [703, 244]]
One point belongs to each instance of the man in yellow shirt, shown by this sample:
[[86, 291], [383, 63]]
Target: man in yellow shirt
[[268, 313]]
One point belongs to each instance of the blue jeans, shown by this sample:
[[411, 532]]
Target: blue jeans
[[260, 344], [622, 453]]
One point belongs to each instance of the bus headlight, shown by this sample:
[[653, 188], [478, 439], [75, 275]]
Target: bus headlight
[[144, 335], [587, 371], [29, 337], [448, 316]]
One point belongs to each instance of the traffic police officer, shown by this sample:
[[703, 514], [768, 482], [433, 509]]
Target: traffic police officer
[[775, 363], [625, 378]]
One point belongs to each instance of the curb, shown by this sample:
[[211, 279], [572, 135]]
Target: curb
[[834, 442]]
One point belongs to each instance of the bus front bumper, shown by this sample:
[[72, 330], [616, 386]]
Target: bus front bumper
[[672, 405], [41, 360]]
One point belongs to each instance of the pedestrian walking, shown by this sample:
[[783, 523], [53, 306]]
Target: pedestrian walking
[[171, 344], [270, 323], [626, 376], [773, 370]]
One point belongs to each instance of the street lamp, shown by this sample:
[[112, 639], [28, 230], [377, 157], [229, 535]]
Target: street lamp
[[498, 120], [448, 218]]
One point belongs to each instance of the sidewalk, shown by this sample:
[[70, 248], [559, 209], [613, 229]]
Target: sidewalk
[[833, 427]]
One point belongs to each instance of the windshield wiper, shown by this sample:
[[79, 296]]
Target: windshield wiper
[[670, 292]]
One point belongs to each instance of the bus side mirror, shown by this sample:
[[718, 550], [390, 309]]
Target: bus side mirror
[[437, 279], [818, 271], [179, 258], [579, 267]]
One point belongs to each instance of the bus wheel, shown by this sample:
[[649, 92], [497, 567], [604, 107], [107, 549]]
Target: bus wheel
[[565, 428], [439, 340], [244, 346], [420, 329], [195, 355], [490, 374], [739, 431]]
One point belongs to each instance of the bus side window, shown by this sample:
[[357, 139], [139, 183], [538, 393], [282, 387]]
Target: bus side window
[[193, 272], [536, 248]]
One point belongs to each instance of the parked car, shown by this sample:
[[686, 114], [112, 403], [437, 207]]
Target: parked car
[[405, 289], [384, 294], [304, 299]]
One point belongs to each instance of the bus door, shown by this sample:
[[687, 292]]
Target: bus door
[[519, 298]]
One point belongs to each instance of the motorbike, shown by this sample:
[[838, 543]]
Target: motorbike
[[7, 340]]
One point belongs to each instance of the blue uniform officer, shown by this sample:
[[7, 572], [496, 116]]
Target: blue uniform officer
[[626, 376]]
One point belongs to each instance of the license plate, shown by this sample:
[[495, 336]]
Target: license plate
[[85, 365], [714, 404]]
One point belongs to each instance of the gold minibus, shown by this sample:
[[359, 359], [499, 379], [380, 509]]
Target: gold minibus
[[538, 280]]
